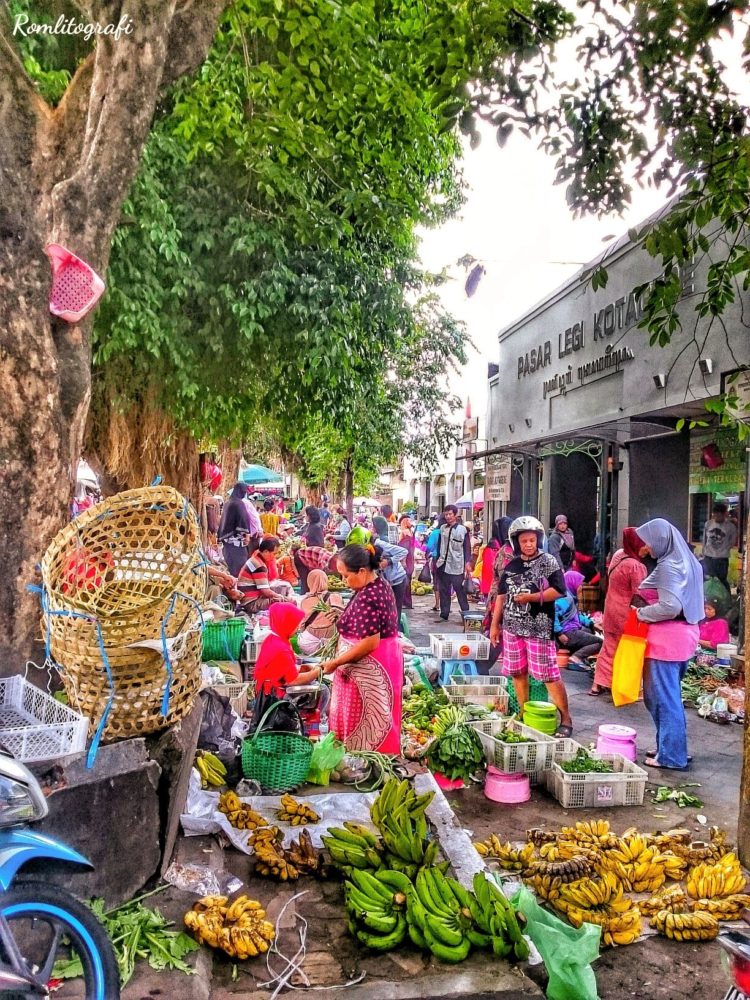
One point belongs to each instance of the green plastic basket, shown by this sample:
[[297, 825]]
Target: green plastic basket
[[279, 762], [223, 640], [537, 692]]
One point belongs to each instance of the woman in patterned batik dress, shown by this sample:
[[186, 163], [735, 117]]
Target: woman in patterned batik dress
[[368, 668]]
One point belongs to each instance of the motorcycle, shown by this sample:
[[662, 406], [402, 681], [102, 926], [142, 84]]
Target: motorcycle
[[40, 922], [736, 947]]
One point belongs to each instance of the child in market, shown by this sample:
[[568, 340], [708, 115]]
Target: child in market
[[713, 629]]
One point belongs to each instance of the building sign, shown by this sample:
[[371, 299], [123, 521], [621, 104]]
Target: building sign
[[497, 478], [471, 429], [616, 317], [717, 461], [737, 388]]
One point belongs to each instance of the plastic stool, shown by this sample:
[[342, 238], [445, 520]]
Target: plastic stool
[[466, 667], [404, 625]]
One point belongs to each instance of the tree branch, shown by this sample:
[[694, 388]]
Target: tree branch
[[192, 30]]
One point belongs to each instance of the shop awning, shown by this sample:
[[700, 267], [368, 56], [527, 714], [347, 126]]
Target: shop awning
[[255, 474], [471, 499]]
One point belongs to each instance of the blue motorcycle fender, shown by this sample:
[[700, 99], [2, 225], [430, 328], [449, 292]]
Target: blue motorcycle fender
[[19, 846]]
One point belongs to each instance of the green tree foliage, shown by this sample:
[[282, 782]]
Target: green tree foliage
[[652, 102], [264, 269]]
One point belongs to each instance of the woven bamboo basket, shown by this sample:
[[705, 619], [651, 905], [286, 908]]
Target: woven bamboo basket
[[127, 570]]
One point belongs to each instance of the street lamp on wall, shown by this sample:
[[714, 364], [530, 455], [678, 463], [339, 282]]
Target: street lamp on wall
[[706, 365], [660, 381]]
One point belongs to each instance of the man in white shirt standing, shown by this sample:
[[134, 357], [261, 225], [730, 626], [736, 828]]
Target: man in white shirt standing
[[453, 562], [719, 538]]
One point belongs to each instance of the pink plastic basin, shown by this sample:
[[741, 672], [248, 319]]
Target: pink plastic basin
[[508, 789], [618, 739]]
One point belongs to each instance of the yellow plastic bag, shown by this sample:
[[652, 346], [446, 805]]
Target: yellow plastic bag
[[627, 669]]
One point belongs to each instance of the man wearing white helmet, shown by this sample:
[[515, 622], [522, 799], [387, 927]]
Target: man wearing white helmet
[[529, 586]]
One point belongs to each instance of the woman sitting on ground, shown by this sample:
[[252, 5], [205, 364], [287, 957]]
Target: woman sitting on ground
[[573, 630], [317, 626], [714, 628]]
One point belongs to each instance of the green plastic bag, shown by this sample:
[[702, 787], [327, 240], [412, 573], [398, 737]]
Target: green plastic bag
[[326, 757], [716, 590], [567, 951]]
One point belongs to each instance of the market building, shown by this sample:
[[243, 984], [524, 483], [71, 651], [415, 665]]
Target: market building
[[587, 418]]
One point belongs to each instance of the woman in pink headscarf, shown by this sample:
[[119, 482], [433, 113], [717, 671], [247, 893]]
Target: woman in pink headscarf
[[625, 575]]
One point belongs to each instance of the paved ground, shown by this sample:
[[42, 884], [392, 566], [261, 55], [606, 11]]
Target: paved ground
[[653, 969]]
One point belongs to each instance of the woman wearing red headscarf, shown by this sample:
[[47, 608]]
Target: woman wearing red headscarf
[[626, 574]]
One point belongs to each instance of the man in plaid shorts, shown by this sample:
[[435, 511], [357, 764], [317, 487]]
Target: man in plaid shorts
[[528, 589]]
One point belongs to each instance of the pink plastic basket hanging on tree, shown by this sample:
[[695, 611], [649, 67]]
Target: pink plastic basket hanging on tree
[[76, 287]]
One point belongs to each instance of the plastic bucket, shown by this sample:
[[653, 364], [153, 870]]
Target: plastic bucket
[[509, 789], [540, 715], [618, 739], [725, 651]]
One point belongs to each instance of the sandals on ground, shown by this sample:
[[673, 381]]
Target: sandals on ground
[[564, 732], [653, 762]]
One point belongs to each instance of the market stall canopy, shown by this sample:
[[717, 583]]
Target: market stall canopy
[[471, 499], [252, 474], [365, 502]]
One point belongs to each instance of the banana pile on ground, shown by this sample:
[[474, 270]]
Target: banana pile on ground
[[398, 813], [240, 815], [213, 773], [296, 813], [584, 871], [274, 861], [240, 928], [395, 887]]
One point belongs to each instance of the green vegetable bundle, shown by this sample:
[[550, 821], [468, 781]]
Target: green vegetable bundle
[[457, 752], [584, 763], [135, 932], [421, 707]]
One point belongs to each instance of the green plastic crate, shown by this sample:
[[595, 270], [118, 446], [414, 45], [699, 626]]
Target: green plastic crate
[[537, 692]]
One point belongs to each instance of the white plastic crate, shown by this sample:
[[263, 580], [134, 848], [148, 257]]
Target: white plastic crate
[[394, 533], [478, 681], [515, 758], [249, 651], [625, 787], [496, 698], [460, 646], [35, 726], [236, 693]]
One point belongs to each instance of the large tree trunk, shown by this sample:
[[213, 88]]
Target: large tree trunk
[[64, 174], [743, 826]]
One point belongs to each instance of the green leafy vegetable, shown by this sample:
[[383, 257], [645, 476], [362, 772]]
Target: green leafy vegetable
[[136, 932], [583, 763], [665, 794]]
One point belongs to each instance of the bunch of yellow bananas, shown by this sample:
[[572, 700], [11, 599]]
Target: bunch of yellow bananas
[[594, 832], [728, 908], [507, 857], [302, 855], [212, 771], [296, 813], [673, 899], [712, 881], [241, 816], [696, 926], [639, 867], [567, 870], [565, 850], [240, 928], [601, 901]]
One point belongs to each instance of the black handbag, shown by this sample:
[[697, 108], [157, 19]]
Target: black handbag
[[425, 576]]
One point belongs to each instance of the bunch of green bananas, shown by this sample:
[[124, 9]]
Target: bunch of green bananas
[[212, 771], [439, 917], [353, 847], [376, 904], [398, 812], [495, 921]]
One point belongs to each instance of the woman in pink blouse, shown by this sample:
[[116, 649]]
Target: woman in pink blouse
[[368, 668], [672, 637]]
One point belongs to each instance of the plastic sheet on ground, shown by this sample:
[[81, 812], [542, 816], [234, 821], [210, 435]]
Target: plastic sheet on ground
[[202, 816]]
